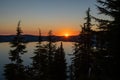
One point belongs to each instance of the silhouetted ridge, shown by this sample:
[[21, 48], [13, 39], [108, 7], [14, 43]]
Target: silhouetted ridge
[[32, 38]]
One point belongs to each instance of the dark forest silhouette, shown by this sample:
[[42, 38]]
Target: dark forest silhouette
[[90, 62]]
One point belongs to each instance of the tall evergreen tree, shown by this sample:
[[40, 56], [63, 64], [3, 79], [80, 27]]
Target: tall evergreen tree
[[82, 52], [111, 8], [60, 64], [15, 70], [39, 64], [19, 44], [51, 50]]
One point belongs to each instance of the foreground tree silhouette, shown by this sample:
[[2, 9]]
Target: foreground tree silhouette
[[60, 64], [39, 65], [15, 70], [51, 50], [48, 62], [82, 52], [111, 51]]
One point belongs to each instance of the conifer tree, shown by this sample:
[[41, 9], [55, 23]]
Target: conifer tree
[[15, 70], [39, 61], [60, 64], [111, 51], [82, 52], [51, 50], [19, 44]]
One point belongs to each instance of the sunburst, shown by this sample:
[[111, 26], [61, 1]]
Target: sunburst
[[66, 35]]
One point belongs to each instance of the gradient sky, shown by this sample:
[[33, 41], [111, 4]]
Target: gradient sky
[[60, 16]]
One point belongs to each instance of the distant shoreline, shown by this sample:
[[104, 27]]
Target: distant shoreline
[[33, 38]]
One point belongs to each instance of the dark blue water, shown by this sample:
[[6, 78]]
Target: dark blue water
[[5, 48]]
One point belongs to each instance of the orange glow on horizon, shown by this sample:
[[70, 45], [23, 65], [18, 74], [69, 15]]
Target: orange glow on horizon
[[57, 31], [65, 32], [45, 33]]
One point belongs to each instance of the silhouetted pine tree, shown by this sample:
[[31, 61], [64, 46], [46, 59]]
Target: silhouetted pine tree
[[101, 55], [82, 52], [51, 50], [18, 45], [60, 64], [15, 70], [39, 65], [109, 48]]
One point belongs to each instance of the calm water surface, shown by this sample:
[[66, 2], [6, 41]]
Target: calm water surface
[[5, 48]]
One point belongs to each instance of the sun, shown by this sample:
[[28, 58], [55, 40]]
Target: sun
[[66, 35]]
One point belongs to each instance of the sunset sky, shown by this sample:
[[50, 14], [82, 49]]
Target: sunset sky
[[60, 16]]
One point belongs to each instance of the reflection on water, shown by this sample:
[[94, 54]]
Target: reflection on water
[[5, 48]]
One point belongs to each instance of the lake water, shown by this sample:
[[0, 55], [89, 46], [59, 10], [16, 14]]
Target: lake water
[[5, 48]]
